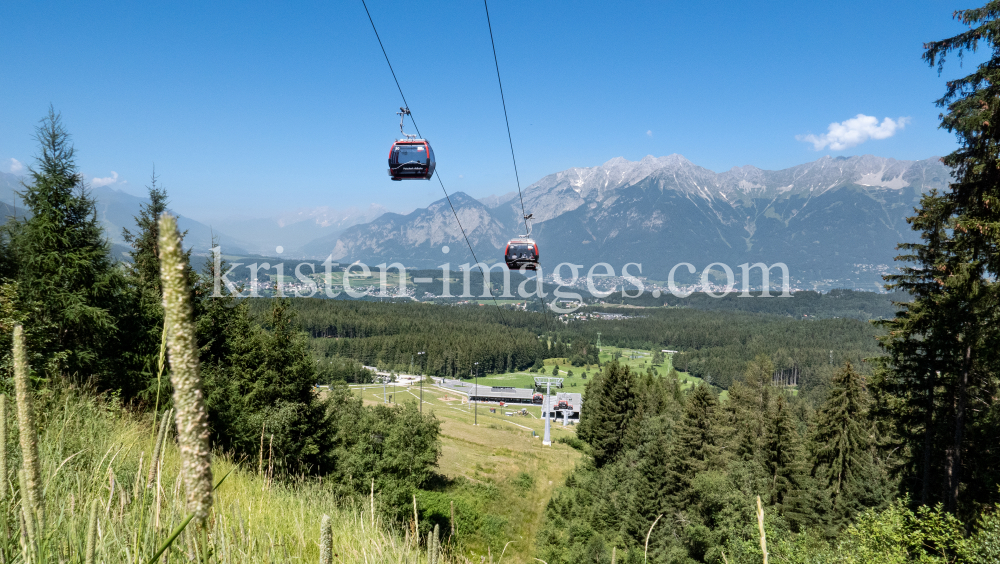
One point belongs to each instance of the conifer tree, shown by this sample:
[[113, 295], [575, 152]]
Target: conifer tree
[[698, 446], [781, 452], [655, 399], [145, 254], [750, 407], [808, 506], [649, 479], [842, 448], [674, 385], [63, 267], [611, 408], [921, 349], [968, 271], [143, 324], [260, 377]]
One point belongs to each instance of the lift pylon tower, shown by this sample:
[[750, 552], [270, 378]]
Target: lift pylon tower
[[547, 404]]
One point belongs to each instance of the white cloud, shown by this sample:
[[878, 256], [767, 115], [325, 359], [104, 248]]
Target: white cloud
[[649, 133], [854, 131], [97, 182], [16, 167]]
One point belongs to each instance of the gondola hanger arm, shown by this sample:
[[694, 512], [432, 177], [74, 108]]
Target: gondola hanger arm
[[402, 113]]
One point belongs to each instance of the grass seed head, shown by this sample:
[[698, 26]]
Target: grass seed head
[[91, 534], [26, 430], [182, 346], [325, 541]]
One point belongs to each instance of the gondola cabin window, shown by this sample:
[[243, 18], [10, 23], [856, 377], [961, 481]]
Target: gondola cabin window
[[411, 154]]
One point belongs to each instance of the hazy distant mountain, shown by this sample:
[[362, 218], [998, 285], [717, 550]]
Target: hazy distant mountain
[[415, 238], [117, 209], [294, 230], [833, 221]]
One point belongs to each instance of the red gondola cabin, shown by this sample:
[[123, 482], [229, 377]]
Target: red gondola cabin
[[411, 159], [521, 252]]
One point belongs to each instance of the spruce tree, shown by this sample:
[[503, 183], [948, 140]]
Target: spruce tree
[[260, 377], [611, 408], [648, 481], [781, 452], [971, 269], [842, 448], [142, 326], [974, 117], [63, 267], [698, 446], [749, 406], [674, 385], [922, 350], [145, 266], [655, 399]]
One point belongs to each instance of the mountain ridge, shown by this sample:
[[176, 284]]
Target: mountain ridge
[[837, 219]]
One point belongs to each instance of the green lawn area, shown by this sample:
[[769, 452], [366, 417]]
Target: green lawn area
[[637, 359], [640, 359], [576, 383]]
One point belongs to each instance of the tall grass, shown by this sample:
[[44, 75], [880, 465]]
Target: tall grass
[[90, 451]]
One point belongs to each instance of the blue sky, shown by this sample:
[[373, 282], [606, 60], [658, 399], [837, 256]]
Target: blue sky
[[249, 108]]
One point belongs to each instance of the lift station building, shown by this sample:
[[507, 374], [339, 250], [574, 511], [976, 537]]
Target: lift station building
[[562, 402]]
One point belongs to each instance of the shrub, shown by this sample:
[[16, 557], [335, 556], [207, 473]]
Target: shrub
[[524, 481], [573, 442]]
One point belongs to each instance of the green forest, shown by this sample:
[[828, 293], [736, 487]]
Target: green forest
[[714, 345]]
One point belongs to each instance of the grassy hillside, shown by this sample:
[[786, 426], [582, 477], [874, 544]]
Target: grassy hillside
[[497, 473], [93, 450]]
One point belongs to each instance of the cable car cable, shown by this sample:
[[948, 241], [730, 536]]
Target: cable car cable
[[510, 140], [506, 120], [386, 55], [438, 174]]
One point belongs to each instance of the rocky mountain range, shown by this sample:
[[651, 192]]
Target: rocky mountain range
[[834, 222]]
